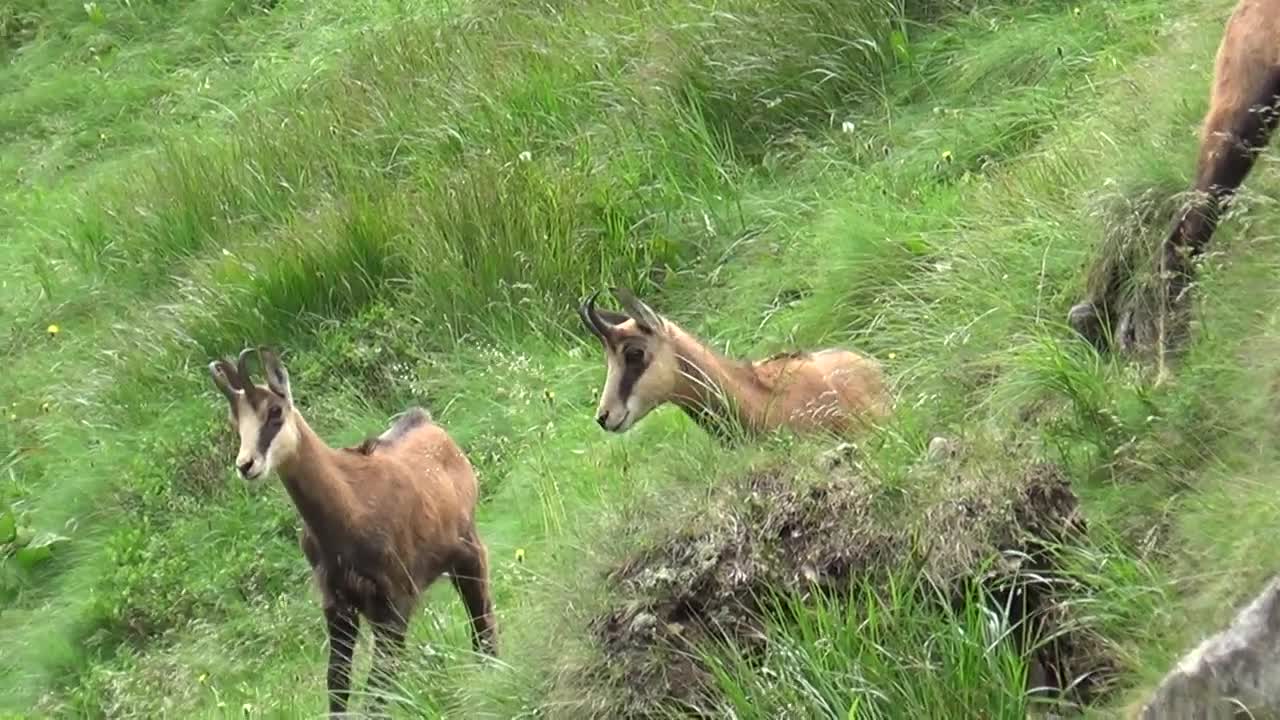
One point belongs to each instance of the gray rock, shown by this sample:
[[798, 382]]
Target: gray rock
[[643, 623], [941, 449], [1235, 673]]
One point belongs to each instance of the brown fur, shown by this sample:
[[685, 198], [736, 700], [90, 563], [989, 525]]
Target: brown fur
[[1243, 104], [381, 523], [834, 391]]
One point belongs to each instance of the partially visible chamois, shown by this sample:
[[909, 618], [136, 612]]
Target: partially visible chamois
[[381, 522], [650, 361], [1243, 105]]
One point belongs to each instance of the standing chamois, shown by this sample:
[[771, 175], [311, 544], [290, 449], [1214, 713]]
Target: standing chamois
[[1243, 106], [650, 361], [381, 521]]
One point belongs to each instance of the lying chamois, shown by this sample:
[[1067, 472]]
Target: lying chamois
[[1243, 106], [381, 522], [650, 361]]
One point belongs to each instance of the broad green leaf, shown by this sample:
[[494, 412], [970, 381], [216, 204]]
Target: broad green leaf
[[39, 550], [8, 527], [23, 536], [29, 557]]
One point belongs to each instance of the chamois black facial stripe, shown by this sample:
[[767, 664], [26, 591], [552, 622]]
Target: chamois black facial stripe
[[631, 372], [267, 433]]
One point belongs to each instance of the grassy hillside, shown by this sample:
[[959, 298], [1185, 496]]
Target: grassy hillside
[[410, 198]]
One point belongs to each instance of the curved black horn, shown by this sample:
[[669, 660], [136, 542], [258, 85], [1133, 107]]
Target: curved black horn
[[224, 377], [591, 318], [242, 369]]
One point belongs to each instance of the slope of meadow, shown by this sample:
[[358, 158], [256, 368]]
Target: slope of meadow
[[410, 198]]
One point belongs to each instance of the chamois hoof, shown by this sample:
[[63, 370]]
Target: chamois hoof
[[1139, 327], [1128, 330], [1144, 333], [1085, 319]]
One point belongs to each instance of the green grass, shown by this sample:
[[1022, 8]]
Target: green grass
[[411, 198], [887, 652]]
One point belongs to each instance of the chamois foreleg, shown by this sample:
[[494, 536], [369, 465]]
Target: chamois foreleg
[[1232, 139], [344, 628], [470, 575], [1233, 134], [390, 624]]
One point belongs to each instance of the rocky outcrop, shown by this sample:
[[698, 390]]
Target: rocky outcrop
[[1234, 674]]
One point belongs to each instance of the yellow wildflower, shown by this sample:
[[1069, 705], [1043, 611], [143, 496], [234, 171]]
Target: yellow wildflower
[[946, 156], [519, 554], [54, 330]]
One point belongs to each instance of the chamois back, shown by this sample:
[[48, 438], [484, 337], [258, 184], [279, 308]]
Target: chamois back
[[405, 423]]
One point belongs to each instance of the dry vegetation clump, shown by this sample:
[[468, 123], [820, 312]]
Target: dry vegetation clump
[[774, 533]]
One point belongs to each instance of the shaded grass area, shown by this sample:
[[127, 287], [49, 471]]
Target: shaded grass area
[[414, 219]]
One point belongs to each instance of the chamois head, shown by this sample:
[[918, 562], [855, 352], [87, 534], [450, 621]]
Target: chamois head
[[263, 414], [640, 360]]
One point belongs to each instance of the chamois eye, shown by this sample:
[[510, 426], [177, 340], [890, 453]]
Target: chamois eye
[[633, 356], [275, 413]]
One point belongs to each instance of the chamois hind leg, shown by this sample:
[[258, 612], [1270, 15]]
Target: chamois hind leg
[[344, 628], [470, 575], [390, 622]]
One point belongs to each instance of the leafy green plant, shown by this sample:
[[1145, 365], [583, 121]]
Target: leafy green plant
[[23, 546], [95, 13]]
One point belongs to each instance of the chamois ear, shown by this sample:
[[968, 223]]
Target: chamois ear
[[645, 317], [224, 377], [277, 376]]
